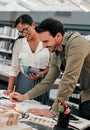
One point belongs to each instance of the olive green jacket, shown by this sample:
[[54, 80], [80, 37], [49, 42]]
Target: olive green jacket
[[76, 58]]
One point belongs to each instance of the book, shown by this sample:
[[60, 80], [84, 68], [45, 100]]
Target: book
[[29, 70]]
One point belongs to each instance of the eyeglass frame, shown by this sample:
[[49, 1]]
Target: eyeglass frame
[[25, 30]]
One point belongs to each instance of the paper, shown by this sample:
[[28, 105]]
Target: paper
[[80, 124], [2, 95]]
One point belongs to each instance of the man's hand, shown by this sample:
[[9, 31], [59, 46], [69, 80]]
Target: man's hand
[[17, 97]]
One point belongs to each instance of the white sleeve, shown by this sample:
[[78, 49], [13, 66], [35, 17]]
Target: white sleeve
[[15, 61]]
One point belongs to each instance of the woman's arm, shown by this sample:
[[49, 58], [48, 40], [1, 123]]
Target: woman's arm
[[10, 85]]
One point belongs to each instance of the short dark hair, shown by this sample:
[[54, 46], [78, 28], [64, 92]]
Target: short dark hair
[[52, 25], [24, 19]]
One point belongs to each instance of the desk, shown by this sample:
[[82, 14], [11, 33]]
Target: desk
[[80, 125], [20, 126], [23, 106]]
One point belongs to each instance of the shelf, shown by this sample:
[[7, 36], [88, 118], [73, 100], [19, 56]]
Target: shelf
[[7, 37], [5, 51], [5, 70]]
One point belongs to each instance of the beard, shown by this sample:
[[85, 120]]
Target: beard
[[51, 49]]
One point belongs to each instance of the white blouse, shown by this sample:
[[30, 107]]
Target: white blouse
[[23, 56]]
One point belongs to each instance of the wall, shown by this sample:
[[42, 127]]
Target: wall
[[82, 18]]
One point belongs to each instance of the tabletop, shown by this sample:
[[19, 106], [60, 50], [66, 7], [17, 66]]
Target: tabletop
[[39, 122]]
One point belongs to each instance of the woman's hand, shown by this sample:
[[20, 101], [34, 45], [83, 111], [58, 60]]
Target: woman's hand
[[7, 92], [35, 76]]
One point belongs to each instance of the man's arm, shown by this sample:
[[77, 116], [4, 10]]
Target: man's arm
[[46, 83]]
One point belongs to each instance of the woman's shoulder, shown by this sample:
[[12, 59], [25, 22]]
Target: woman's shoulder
[[19, 43], [20, 39]]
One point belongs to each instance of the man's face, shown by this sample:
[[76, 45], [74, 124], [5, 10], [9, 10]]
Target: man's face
[[50, 42]]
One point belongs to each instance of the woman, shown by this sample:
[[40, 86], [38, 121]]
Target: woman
[[28, 52]]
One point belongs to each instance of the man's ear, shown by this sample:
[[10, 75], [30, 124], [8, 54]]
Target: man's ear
[[59, 36], [33, 25]]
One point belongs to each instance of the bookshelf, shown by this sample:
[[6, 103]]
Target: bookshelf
[[8, 35], [82, 29]]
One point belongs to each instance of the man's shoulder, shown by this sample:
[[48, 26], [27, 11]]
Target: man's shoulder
[[73, 35]]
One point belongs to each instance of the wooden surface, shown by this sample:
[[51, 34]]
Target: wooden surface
[[20, 126]]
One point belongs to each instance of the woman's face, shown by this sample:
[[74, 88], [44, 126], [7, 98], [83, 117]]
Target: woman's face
[[26, 30]]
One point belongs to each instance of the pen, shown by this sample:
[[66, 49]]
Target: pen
[[14, 88]]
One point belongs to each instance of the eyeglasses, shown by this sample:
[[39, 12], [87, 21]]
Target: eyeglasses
[[24, 31]]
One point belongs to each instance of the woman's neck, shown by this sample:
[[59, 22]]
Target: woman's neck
[[33, 43]]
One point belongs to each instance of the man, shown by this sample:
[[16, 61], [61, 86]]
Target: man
[[71, 53]]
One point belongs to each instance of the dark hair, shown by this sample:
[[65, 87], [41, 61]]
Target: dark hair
[[25, 19], [52, 25]]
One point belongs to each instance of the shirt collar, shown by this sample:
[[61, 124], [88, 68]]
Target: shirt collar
[[65, 38]]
